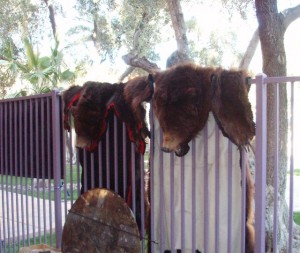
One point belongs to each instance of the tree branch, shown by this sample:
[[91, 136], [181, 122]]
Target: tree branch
[[143, 62], [51, 17], [291, 15], [250, 51], [127, 72], [178, 25]]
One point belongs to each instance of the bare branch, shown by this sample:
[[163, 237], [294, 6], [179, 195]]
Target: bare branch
[[51, 17], [291, 15], [143, 62], [127, 72], [250, 51], [178, 25], [146, 17]]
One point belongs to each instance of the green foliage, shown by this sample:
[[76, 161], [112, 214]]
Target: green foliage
[[297, 218], [114, 26], [22, 18], [43, 72]]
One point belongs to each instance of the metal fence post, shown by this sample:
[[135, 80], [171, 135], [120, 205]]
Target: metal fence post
[[57, 165], [261, 154]]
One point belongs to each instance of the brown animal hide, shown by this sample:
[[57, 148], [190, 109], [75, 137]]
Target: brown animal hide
[[231, 107], [182, 101], [91, 104]]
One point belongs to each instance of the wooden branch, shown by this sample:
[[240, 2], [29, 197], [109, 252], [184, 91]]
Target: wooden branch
[[127, 72], [51, 17], [290, 15], [143, 63], [178, 25], [245, 62]]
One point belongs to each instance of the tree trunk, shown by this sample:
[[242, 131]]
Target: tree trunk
[[289, 15], [271, 32], [178, 25], [51, 17]]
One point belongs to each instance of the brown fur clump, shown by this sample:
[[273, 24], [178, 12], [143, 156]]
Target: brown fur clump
[[96, 99], [231, 107], [182, 101]]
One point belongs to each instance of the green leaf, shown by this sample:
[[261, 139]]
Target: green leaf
[[32, 58], [67, 75], [44, 62]]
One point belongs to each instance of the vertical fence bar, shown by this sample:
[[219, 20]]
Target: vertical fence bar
[[124, 141], [31, 159], [69, 144], [161, 198], [276, 154], [11, 161], [142, 203], [116, 155], [151, 160], [42, 141], [133, 182], [229, 208], [172, 200], [182, 199], [206, 209], [244, 185], [38, 125], [1, 172], [84, 170], [57, 166], [26, 159], [108, 156], [6, 218], [92, 168], [193, 195], [21, 138], [291, 204], [17, 153], [2, 228], [261, 154], [217, 187], [100, 176], [49, 153], [6, 174]]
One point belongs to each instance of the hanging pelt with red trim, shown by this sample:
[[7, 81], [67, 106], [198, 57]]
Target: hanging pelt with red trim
[[99, 111], [91, 103]]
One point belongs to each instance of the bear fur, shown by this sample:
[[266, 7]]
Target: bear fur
[[93, 102], [183, 97], [186, 93], [231, 107], [182, 101]]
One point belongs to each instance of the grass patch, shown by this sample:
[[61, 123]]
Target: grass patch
[[48, 239], [297, 218], [297, 172], [23, 185]]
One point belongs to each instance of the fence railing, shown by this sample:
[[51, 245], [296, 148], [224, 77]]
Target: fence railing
[[262, 81], [197, 202]]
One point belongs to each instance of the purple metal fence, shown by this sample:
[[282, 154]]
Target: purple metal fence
[[261, 82], [197, 202], [30, 171]]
